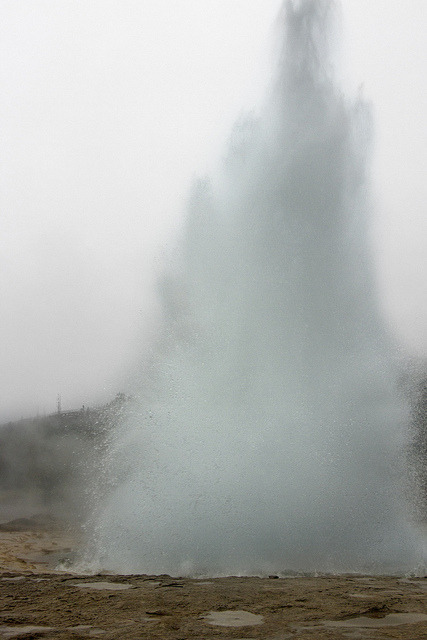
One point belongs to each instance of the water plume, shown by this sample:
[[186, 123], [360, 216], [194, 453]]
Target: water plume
[[269, 428]]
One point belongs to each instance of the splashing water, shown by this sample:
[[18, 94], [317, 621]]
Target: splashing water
[[269, 428]]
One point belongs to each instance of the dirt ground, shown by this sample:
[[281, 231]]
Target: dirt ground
[[37, 601]]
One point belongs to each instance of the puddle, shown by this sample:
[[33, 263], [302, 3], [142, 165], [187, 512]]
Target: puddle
[[101, 586], [422, 585], [152, 616], [357, 628], [86, 630], [359, 634], [233, 618], [361, 595], [14, 579], [54, 558], [391, 620], [39, 579], [364, 579], [15, 632]]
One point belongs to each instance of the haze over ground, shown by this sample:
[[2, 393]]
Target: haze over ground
[[107, 110]]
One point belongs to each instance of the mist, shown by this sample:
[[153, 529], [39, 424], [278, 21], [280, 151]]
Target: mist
[[106, 111], [268, 433]]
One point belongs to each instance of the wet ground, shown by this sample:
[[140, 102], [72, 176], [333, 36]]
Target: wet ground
[[37, 602]]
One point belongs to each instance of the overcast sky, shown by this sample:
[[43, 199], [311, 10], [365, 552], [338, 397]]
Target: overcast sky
[[107, 110]]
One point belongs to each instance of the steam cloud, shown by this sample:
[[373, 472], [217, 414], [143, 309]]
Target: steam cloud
[[269, 426]]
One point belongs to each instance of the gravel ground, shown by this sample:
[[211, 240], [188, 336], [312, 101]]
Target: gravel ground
[[38, 602]]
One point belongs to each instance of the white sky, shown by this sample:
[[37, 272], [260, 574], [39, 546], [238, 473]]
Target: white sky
[[107, 109]]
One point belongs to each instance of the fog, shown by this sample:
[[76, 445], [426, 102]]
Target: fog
[[107, 110], [269, 430]]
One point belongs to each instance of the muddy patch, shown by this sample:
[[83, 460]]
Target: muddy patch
[[102, 586], [29, 631], [233, 619], [391, 620]]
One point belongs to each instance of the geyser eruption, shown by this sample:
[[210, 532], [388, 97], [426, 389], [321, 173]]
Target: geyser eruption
[[269, 424]]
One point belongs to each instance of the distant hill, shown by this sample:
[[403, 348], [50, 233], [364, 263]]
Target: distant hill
[[46, 463]]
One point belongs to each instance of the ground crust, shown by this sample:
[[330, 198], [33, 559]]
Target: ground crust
[[37, 602]]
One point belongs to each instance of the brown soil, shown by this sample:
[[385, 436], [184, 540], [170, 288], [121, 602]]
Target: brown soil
[[38, 602]]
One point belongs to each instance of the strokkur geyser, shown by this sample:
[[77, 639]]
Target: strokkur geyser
[[269, 431]]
